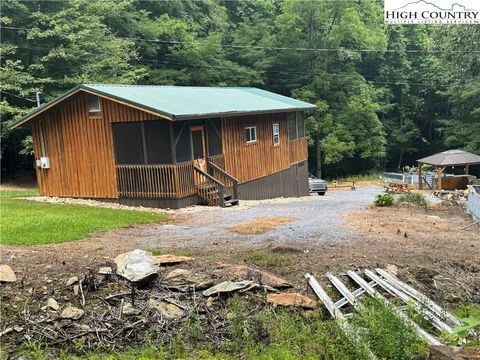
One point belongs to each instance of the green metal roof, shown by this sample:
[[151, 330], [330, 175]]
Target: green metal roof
[[187, 102]]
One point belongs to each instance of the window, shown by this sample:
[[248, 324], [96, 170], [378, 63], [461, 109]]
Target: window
[[251, 133], [93, 104], [276, 134], [300, 124], [292, 126], [296, 125]]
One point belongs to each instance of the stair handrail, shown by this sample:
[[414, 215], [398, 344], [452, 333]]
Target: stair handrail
[[221, 186], [233, 179]]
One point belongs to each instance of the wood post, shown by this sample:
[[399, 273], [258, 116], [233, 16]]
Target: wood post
[[420, 180], [439, 177], [467, 169]]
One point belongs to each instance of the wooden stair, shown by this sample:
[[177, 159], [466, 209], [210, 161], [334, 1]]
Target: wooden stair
[[212, 191]]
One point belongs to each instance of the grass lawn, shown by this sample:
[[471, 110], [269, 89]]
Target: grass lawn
[[26, 222]]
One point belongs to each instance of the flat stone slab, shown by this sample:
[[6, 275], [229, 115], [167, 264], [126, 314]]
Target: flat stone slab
[[230, 286], [243, 272], [185, 280], [167, 309], [7, 274], [170, 259], [292, 299]]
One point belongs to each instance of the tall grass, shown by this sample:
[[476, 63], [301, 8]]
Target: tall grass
[[413, 198]]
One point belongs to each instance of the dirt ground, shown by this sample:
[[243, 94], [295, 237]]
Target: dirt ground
[[427, 245], [337, 232]]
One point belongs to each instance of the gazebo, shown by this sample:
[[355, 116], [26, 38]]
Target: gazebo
[[446, 159]]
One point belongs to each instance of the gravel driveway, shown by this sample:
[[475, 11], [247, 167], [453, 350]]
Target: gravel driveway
[[319, 219]]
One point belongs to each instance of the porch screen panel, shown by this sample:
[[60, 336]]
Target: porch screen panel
[[214, 140], [128, 143], [183, 149], [157, 142]]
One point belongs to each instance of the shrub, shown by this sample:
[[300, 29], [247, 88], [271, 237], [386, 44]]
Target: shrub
[[415, 198], [383, 200]]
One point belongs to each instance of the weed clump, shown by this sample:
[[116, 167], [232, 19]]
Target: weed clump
[[413, 198], [268, 259], [383, 200], [388, 335]]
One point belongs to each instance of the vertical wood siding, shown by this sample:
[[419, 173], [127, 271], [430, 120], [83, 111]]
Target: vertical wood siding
[[298, 150], [81, 152], [252, 161], [80, 148]]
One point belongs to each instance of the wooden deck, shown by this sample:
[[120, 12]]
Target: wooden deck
[[169, 181]]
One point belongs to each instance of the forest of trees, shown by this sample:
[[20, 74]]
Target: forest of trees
[[386, 95]]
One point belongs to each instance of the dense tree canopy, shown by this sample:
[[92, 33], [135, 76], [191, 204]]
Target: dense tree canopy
[[386, 95]]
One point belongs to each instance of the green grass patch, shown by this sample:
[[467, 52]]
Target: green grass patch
[[413, 198], [180, 251], [28, 223], [20, 193], [265, 259]]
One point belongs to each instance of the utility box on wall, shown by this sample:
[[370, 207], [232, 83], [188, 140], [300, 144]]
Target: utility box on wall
[[44, 163]]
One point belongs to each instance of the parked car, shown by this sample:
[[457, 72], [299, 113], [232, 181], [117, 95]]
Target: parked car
[[317, 185]]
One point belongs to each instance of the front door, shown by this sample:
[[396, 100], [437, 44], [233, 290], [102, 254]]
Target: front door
[[199, 151]]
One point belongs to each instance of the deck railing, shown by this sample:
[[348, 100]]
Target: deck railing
[[211, 190], [298, 150], [168, 181], [218, 160], [231, 183]]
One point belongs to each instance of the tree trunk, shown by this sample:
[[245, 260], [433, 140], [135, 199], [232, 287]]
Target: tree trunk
[[400, 160], [318, 155]]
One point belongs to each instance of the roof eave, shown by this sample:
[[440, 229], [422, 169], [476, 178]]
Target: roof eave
[[27, 118]]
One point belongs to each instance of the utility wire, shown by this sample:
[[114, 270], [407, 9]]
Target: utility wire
[[259, 47], [391, 81], [20, 97]]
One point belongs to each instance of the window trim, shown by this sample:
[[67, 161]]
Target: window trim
[[249, 129], [276, 133], [94, 111]]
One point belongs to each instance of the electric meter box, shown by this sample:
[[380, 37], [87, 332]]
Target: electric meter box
[[44, 162]]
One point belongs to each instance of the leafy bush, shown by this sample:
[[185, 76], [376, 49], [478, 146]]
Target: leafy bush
[[383, 200], [414, 198]]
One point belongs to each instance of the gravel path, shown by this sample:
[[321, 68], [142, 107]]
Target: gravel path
[[319, 219]]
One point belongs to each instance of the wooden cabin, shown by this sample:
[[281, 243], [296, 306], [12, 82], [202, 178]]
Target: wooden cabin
[[170, 146]]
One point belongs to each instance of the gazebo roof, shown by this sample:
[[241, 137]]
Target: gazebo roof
[[451, 158]]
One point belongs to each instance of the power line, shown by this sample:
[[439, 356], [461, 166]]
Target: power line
[[391, 81], [260, 47], [20, 97]]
